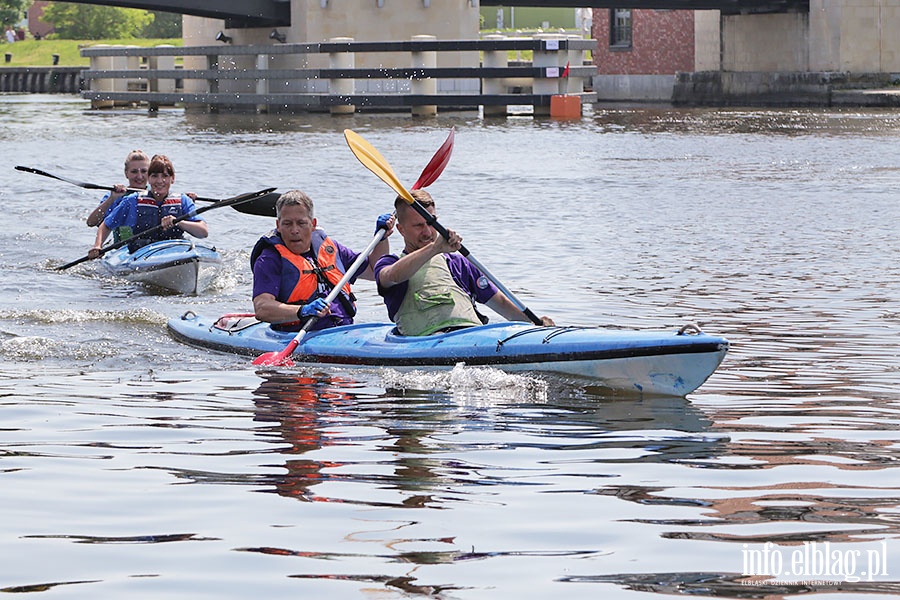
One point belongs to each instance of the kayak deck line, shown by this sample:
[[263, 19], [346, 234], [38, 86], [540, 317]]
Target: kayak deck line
[[160, 247], [686, 329]]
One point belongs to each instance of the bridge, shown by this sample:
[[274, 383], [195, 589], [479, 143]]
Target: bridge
[[277, 13]]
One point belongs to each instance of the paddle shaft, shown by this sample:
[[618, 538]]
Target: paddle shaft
[[332, 295], [193, 213], [91, 186], [265, 208]]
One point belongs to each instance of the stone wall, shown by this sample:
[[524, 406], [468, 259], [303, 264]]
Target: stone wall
[[807, 88], [41, 80]]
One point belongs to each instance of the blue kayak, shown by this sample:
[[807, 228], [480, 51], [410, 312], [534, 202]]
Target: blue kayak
[[179, 265], [649, 362]]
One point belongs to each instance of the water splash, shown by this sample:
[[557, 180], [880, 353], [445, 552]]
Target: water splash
[[139, 316], [40, 348], [470, 384]]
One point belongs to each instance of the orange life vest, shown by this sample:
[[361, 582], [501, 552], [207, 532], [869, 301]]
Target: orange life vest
[[300, 276]]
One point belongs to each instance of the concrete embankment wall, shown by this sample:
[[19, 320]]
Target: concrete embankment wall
[[633, 88], [725, 88], [41, 80]]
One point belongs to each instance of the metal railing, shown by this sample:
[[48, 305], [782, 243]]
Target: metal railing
[[280, 78]]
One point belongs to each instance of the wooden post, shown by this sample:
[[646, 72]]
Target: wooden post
[[424, 86], [212, 85]]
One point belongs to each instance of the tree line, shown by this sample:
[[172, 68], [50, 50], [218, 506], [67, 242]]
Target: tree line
[[92, 22]]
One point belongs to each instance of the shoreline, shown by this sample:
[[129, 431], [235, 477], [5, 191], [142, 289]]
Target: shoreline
[[708, 89]]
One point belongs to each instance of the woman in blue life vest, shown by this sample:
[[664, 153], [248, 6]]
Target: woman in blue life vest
[[296, 266], [159, 207]]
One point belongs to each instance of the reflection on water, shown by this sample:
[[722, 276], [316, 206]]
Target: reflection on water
[[298, 408], [422, 447], [414, 480]]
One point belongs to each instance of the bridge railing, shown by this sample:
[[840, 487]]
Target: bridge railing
[[279, 78]]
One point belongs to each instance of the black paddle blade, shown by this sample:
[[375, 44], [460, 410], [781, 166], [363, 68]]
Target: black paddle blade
[[264, 206]]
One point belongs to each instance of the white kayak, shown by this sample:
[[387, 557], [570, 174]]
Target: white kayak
[[180, 265]]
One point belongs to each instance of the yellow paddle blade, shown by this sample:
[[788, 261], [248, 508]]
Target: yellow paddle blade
[[375, 162]]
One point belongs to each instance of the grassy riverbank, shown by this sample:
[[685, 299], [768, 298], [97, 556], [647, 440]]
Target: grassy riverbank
[[39, 53]]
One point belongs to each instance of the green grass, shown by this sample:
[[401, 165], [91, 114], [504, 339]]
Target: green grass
[[523, 55], [34, 53]]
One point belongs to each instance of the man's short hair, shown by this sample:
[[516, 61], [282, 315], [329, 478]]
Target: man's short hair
[[294, 198], [422, 196]]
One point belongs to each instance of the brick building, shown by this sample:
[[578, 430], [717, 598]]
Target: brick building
[[643, 42], [36, 27], [639, 51]]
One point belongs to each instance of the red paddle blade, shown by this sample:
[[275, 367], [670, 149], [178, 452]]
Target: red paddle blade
[[436, 165], [277, 359]]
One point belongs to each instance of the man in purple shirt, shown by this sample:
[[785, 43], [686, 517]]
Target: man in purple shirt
[[430, 289], [296, 266]]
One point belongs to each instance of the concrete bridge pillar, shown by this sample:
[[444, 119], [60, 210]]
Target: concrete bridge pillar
[[108, 63], [493, 85], [343, 87], [548, 57], [424, 86]]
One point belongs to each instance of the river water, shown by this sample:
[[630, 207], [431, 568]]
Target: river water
[[133, 466]]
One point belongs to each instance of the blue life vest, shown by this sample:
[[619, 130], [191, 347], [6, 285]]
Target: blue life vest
[[150, 214]]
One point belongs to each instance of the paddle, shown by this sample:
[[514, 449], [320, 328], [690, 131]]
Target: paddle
[[263, 206], [227, 202], [437, 163], [429, 174], [375, 162]]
